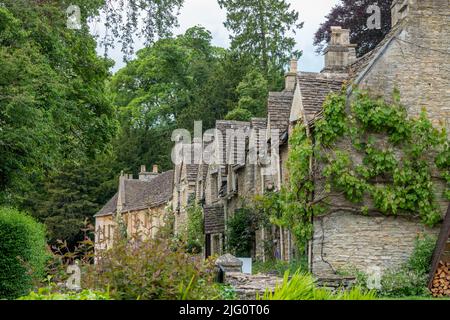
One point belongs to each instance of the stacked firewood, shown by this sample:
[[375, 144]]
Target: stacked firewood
[[441, 283]]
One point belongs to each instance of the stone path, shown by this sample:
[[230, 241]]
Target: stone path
[[248, 286]]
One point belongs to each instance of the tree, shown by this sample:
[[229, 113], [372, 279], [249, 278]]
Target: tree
[[252, 92], [72, 195], [261, 29], [169, 85], [352, 14], [239, 114], [147, 19], [53, 100]]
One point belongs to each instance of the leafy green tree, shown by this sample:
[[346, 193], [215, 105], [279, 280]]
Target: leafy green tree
[[262, 29], [252, 92], [239, 114], [169, 85], [72, 195], [124, 20], [53, 100]]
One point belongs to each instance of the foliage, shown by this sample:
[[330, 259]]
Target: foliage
[[168, 86], [411, 278], [403, 282], [239, 114], [170, 273], [279, 267], [23, 252], [301, 286], [351, 14], [252, 92], [54, 105], [397, 185], [194, 228], [227, 292], [147, 19], [260, 30], [48, 294], [72, 194], [243, 224], [241, 232]]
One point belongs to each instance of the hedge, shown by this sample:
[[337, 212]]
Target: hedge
[[23, 253]]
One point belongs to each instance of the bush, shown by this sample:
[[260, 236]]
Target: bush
[[47, 294], [403, 282], [227, 292], [240, 233], [23, 253], [194, 229], [411, 278], [301, 286], [151, 270]]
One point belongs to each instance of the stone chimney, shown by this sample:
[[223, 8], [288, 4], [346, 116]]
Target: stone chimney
[[147, 176], [399, 10], [291, 76], [340, 53], [121, 192]]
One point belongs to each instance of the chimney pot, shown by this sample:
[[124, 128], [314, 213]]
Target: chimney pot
[[155, 168], [143, 168]]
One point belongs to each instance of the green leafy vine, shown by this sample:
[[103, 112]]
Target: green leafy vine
[[370, 152]]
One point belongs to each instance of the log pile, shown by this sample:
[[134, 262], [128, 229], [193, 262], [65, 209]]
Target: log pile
[[440, 286]]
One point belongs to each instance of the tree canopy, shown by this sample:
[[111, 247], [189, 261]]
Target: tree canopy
[[352, 14], [53, 104], [263, 30]]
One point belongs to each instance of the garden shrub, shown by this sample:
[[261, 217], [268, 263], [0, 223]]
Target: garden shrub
[[194, 229], [23, 252], [411, 278], [151, 270], [241, 232]]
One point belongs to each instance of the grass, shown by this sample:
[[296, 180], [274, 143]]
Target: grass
[[301, 286], [278, 267]]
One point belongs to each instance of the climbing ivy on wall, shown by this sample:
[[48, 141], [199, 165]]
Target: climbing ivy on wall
[[371, 153], [194, 228]]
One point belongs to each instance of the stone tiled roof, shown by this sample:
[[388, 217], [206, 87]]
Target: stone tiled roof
[[214, 219], [109, 208], [191, 172], [315, 87], [259, 124], [223, 126], [140, 195], [279, 110]]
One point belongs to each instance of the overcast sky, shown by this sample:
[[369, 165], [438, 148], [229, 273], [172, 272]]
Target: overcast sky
[[208, 14]]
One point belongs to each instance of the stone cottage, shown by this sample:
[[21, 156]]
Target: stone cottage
[[412, 58], [139, 204]]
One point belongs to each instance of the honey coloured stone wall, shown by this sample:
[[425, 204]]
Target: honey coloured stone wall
[[415, 60], [347, 241]]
